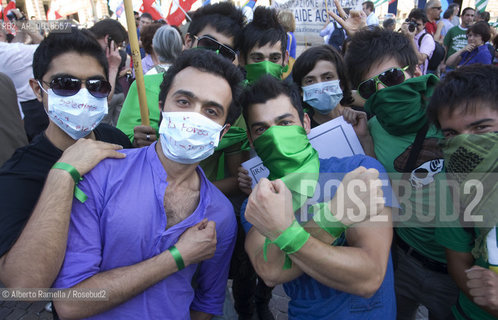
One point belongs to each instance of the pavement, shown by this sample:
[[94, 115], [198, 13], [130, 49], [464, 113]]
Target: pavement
[[21, 310]]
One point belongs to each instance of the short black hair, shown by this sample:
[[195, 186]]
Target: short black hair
[[481, 28], [225, 17], [112, 28], [264, 28], [369, 5], [465, 88], [210, 62], [146, 15], [484, 15], [267, 88], [309, 58], [388, 22], [418, 14], [467, 9], [147, 34], [55, 44], [449, 12], [370, 47]]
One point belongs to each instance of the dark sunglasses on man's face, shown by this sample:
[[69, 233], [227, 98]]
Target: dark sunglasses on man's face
[[210, 43], [388, 78], [69, 86]]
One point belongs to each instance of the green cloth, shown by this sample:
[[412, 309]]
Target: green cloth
[[473, 157], [455, 39], [259, 69], [392, 151], [288, 155], [401, 104], [130, 117]]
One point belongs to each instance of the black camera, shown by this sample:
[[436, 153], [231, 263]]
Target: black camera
[[412, 25]]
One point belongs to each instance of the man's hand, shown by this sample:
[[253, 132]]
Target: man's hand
[[85, 154], [358, 119], [269, 208], [359, 197], [483, 287], [356, 20], [112, 55], [245, 182], [469, 48], [406, 31], [198, 243], [143, 136]]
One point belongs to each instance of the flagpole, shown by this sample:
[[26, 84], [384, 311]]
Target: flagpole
[[186, 14], [137, 62]]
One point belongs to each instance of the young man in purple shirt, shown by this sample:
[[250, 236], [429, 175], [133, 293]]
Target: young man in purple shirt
[[151, 219]]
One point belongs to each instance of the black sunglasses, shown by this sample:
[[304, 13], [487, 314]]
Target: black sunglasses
[[210, 43], [389, 78], [69, 86]]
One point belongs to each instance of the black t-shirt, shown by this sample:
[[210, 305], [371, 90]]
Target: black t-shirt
[[22, 178]]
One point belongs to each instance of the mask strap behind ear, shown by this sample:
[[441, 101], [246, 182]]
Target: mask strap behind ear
[[41, 87]]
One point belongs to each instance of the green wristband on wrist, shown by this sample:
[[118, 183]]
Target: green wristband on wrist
[[327, 221], [177, 257], [290, 241], [78, 194]]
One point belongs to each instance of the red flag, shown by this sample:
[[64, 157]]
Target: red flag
[[175, 14], [10, 6], [151, 7]]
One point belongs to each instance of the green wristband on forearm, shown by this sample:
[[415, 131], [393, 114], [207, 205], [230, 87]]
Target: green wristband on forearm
[[326, 220], [177, 257], [78, 194]]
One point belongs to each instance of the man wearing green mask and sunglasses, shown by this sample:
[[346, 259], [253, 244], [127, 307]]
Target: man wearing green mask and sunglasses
[[328, 268], [263, 49], [382, 65]]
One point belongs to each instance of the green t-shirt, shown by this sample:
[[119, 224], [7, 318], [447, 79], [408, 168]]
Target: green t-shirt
[[424, 200], [130, 117], [455, 39], [458, 239]]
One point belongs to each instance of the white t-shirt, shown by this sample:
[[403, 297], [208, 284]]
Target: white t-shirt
[[372, 19], [17, 63]]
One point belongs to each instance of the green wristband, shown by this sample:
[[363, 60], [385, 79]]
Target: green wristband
[[327, 221], [292, 239], [178, 257], [78, 194]]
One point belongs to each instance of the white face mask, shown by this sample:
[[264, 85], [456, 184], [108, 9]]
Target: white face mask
[[76, 115], [323, 96], [188, 137]]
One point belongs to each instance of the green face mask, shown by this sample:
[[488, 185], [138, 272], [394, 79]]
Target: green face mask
[[288, 154], [471, 158], [259, 69], [401, 109]]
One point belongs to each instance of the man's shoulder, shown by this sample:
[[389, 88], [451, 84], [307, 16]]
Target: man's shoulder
[[33, 160], [106, 133]]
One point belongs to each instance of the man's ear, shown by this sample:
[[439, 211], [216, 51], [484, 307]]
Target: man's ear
[[286, 58], [189, 41], [36, 89], [249, 138], [417, 72], [225, 130], [161, 105], [307, 123]]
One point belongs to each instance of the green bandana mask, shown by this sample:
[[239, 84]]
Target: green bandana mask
[[259, 69], [401, 109], [473, 157], [288, 154]]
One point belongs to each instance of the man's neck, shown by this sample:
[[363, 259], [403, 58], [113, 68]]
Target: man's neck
[[178, 173], [60, 139]]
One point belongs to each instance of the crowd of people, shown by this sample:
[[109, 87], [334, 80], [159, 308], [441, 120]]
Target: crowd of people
[[161, 215]]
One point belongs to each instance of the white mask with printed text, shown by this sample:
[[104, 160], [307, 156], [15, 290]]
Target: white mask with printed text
[[76, 115], [188, 137]]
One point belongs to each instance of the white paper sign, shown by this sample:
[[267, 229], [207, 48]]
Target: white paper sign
[[335, 138]]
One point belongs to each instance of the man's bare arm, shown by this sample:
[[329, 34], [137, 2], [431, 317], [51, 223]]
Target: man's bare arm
[[36, 257]]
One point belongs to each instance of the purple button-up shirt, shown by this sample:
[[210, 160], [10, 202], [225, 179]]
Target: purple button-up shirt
[[123, 222]]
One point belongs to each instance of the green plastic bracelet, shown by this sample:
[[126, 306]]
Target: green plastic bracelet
[[327, 221], [78, 194], [178, 257]]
